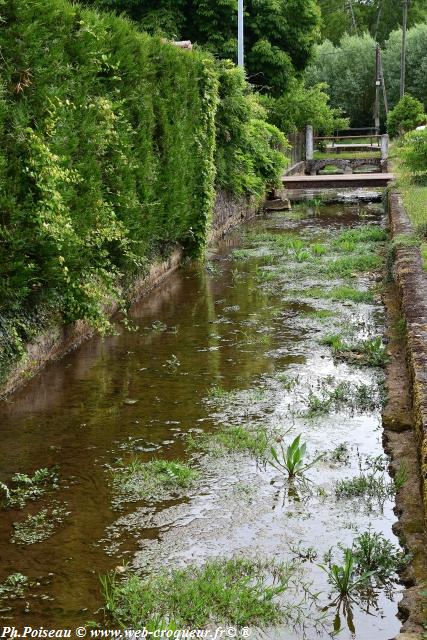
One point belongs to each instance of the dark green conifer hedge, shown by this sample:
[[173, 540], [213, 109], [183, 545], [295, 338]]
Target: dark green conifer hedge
[[107, 159]]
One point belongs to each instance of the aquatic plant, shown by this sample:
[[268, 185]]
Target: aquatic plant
[[24, 488], [371, 352], [343, 577], [371, 484], [340, 454], [38, 527], [340, 293], [14, 586], [290, 461], [350, 265], [329, 395], [238, 591], [374, 553], [363, 233], [241, 439], [155, 479]]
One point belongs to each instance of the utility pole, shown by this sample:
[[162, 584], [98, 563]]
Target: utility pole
[[377, 88], [353, 16], [240, 36], [383, 84], [403, 54]]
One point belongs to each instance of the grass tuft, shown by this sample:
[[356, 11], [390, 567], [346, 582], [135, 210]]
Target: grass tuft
[[232, 440], [154, 480], [236, 591]]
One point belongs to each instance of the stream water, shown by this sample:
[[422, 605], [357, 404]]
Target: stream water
[[237, 341]]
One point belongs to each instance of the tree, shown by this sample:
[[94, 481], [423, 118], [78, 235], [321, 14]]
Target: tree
[[349, 72], [406, 115], [279, 34], [377, 17], [416, 64], [301, 106]]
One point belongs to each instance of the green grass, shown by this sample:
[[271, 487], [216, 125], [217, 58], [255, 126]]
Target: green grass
[[373, 552], [366, 485], [371, 352], [364, 233], [350, 265], [232, 440], [156, 479], [340, 293], [320, 314], [414, 199], [238, 591]]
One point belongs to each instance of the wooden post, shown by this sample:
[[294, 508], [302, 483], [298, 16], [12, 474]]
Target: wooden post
[[309, 143], [384, 147]]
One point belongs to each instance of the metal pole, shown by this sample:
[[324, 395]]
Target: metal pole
[[383, 85], [240, 32], [377, 89], [403, 54]]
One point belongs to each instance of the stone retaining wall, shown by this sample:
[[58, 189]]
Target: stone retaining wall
[[412, 283]]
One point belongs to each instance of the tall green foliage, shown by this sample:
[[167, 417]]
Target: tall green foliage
[[406, 115], [349, 71], [414, 153], [303, 105], [377, 17], [416, 64], [107, 159], [249, 153], [107, 149], [279, 36]]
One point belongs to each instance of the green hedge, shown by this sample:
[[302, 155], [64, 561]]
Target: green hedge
[[107, 159], [107, 141]]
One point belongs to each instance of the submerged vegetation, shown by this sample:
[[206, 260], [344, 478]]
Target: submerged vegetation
[[370, 352], [238, 439], [38, 527], [23, 488], [236, 591], [153, 480]]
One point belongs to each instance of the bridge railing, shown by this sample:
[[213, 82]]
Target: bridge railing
[[382, 141]]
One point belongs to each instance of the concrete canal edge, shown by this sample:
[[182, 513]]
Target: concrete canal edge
[[405, 414], [58, 339]]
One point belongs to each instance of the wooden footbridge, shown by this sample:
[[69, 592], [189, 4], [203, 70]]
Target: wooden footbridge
[[337, 181], [350, 172]]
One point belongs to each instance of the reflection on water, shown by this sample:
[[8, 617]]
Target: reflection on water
[[141, 392]]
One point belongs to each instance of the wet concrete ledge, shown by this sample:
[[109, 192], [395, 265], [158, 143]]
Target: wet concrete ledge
[[412, 284], [59, 339], [405, 416]]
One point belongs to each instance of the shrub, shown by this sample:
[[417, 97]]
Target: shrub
[[249, 154], [107, 160], [406, 115], [303, 105], [414, 153]]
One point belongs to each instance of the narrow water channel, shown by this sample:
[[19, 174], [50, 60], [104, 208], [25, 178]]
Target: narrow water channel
[[251, 338]]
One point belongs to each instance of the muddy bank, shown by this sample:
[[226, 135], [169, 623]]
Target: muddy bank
[[58, 339], [399, 440], [412, 285]]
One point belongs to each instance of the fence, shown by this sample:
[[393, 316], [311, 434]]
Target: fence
[[297, 151]]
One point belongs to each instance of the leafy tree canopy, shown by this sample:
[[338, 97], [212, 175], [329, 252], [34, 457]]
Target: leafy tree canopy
[[349, 71], [279, 34], [377, 17], [406, 115]]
